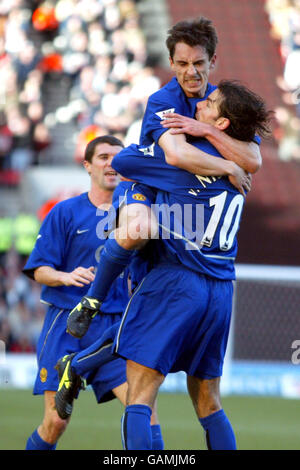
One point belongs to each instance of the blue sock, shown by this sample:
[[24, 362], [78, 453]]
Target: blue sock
[[136, 429], [35, 442], [157, 439], [112, 263], [219, 432], [97, 354]]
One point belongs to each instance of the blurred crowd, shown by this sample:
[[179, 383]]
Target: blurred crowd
[[98, 48], [98, 45], [23, 133], [21, 312], [284, 17]]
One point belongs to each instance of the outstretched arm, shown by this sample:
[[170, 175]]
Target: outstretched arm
[[179, 153], [245, 154]]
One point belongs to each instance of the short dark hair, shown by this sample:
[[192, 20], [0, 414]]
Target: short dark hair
[[103, 139], [197, 32], [245, 110]]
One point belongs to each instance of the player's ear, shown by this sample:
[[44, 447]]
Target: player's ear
[[87, 165], [171, 62], [213, 62], [222, 123]]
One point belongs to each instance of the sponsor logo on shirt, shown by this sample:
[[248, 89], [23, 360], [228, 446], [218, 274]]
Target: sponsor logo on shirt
[[161, 114]]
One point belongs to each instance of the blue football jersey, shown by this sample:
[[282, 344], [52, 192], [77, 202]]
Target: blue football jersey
[[185, 201], [200, 231], [169, 98], [73, 235]]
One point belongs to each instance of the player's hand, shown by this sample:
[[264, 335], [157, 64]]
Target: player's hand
[[79, 277], [240, 179], [184, 125]]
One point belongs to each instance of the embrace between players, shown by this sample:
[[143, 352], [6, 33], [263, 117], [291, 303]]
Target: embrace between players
[[157, 305]]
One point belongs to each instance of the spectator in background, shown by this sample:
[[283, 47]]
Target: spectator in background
[[6, 141], [284, 16]]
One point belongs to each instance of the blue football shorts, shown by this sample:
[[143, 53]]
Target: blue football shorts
[[177, 320], [54, 343]]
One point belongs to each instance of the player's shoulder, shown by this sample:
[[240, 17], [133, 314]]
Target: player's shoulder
[[122, 188], [171, 90], [129, 192], [143, 193], [73, 201], [67, 206]]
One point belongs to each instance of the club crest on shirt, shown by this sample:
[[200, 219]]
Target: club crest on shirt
[[43, 374], [139, 197], [161, 114]]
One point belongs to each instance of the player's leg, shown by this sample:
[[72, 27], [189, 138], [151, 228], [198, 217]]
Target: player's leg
[[137, 224], [205, 395], [45, 437], [53, 343], [157, 438], [143, 385], [135, 228]]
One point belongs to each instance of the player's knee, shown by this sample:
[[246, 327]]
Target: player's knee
[[139, 232], [209, 407], [205, 395], [143, 384]]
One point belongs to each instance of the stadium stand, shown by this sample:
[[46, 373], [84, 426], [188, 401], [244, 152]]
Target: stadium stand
[[70, 68]]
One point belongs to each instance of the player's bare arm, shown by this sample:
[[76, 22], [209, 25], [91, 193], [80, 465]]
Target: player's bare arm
[[51, 277], [245, 154], [180, 153]]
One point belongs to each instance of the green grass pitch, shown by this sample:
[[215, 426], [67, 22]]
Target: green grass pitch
[[260, 423]]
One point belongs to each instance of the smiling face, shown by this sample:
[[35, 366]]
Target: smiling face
[[191, 66], [99, 168]]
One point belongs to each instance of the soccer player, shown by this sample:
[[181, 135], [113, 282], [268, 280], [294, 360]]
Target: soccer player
[[192, 52], [179, 317], [63, 260]]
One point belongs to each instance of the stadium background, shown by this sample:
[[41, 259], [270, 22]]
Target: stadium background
[[70, 70]]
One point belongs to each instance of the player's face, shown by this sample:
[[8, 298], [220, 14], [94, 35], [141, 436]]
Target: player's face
[[191, 66], [208, 110], [100, 170]]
